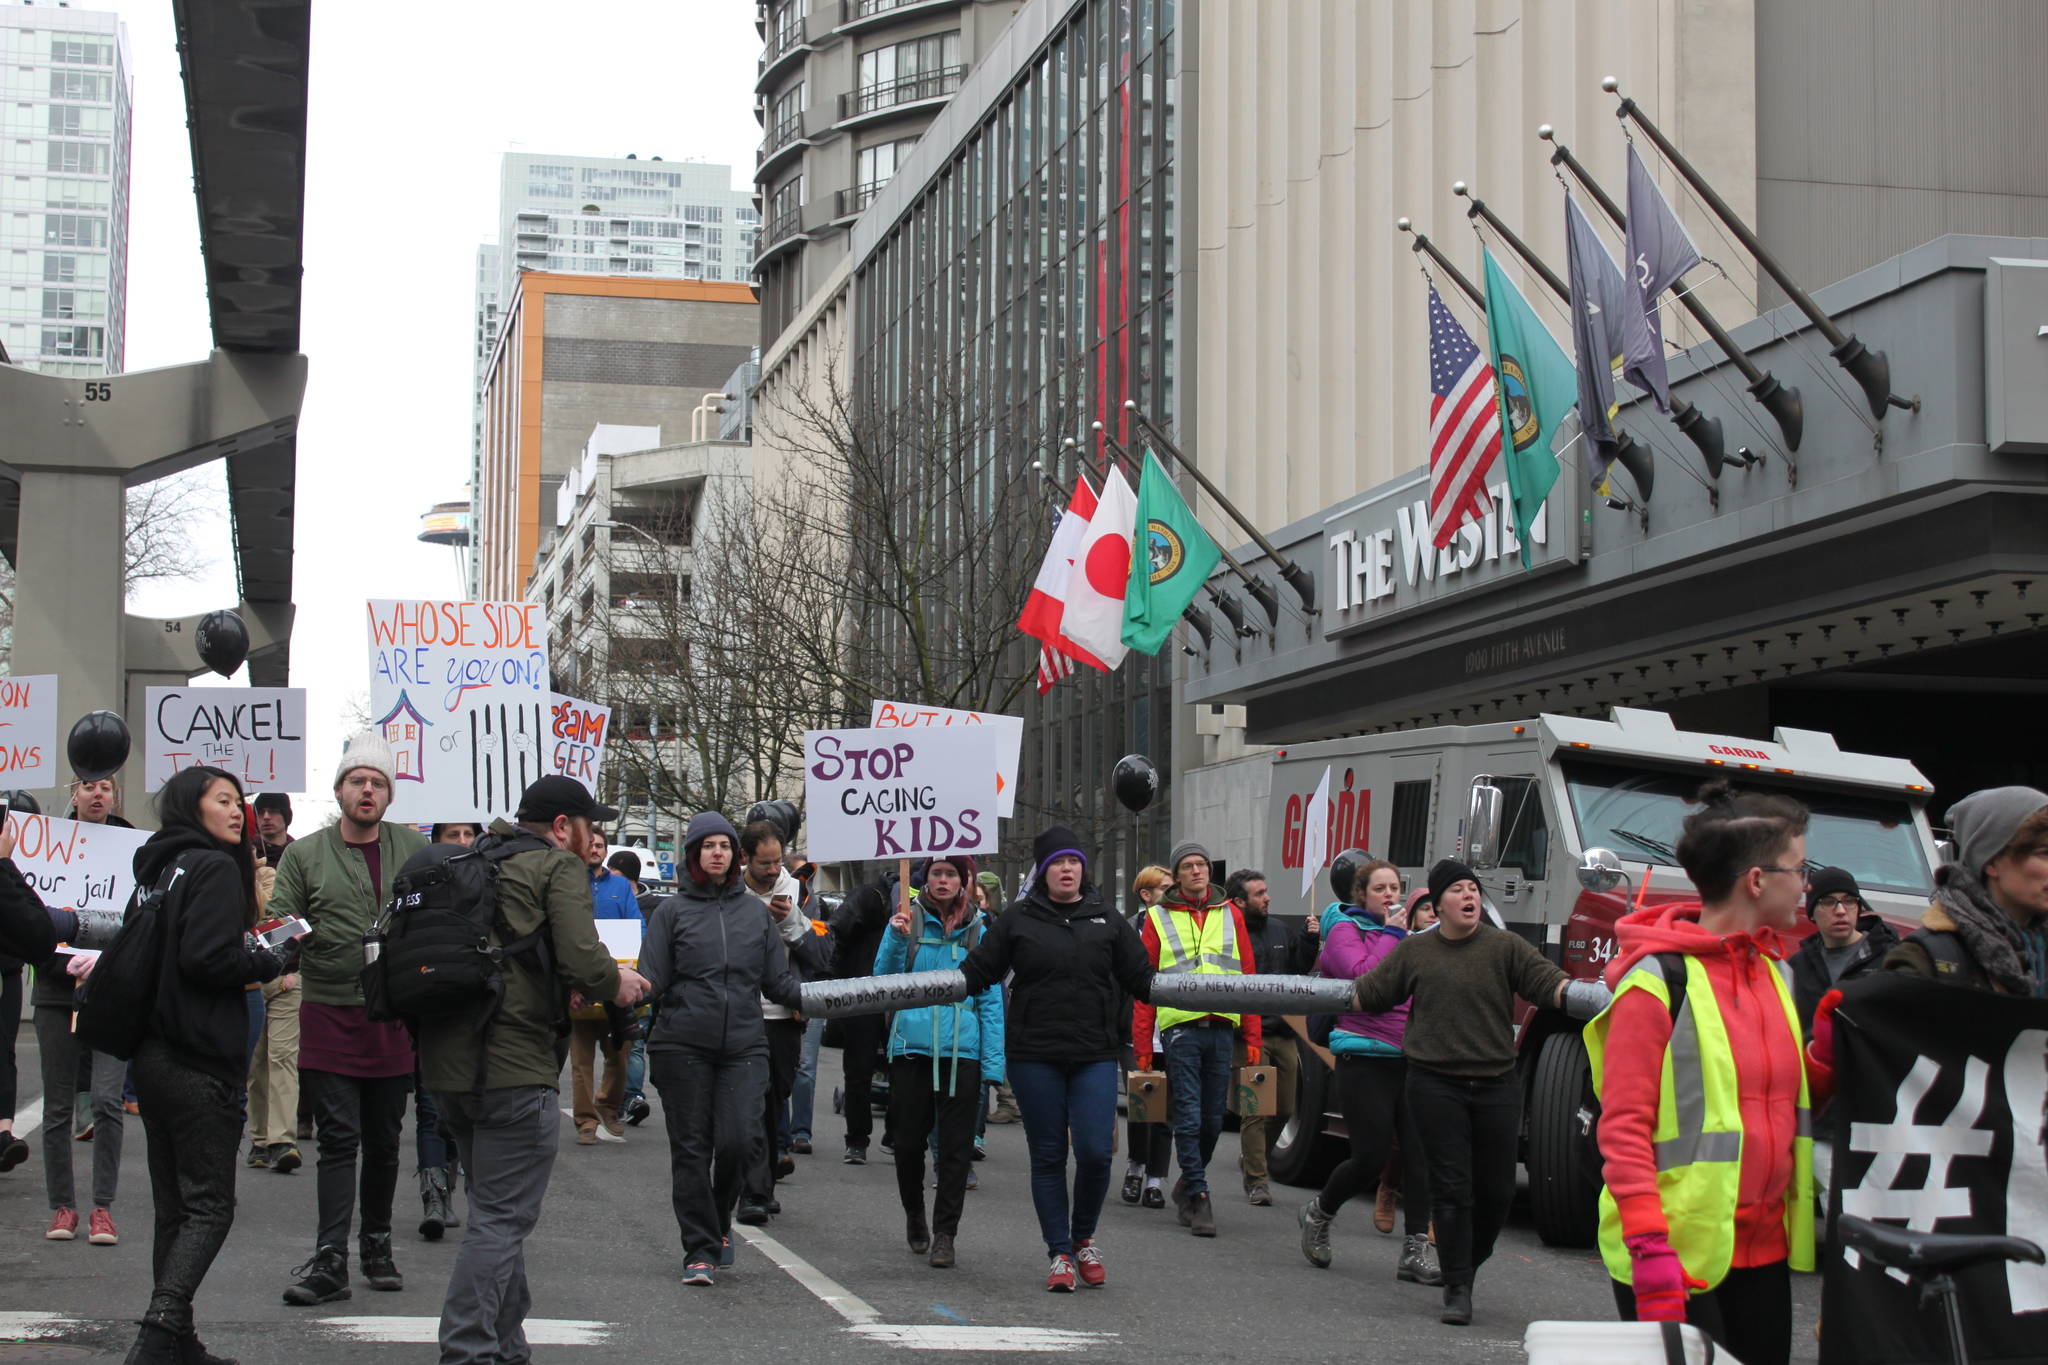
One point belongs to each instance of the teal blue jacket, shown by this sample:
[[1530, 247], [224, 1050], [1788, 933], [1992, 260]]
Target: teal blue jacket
[[971, 1030]]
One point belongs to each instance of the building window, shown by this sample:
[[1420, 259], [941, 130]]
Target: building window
[[80, 52], [785, 209], [75, 341], [922, 68], [80, 85], [89, 158], [788, 28], [66, 120], [74, 229], [788, 116], [1408, 826], [59, 268], [872, 168]]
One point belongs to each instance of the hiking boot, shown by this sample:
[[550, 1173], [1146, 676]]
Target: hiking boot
[[942, 1252], [1201, 1219], [1418, 1261], [1315, 1233], [1134, 1184], [433, 1203], [155, 1344], [324, 1279], [192, 1351], [1383, 1209], [1059, 1279], [285, 1158], [1259, 1194], [918, 1235], [1457, 1306], [380, 1271], [1088, 1256]]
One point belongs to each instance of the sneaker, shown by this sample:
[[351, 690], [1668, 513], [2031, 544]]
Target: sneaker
[[616, 1126], [586, 1137], [888, 1148], [1457, 1306], [1094, 1273], [63, 1226], [1134, 1184], [1418, 1263], [323, 1279], [1383, 1209], [1259, 1194], [13, 1151], [973, 1180], [855, 1156], [1201, 1219], [85, 1134], [259, 1155], [101, 1229], [1154, 1197], [700, 1273], [981, 1149], [1315, 1233], [801, 1146], [285, 1158], [1060, 1278], [637, 1110], [725, 1253]]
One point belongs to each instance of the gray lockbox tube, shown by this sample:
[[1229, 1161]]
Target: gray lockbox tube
[[880, 994], [1204, 991]]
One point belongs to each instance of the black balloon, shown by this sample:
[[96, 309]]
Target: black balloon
[[1344, 872], [98, 746], [782, 814], [21, 801], [1135, 781], [223, 642]]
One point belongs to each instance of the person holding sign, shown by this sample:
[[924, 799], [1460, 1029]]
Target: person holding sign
[[1071, 960]]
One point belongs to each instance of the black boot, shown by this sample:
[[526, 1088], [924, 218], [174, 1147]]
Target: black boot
[[917, 1233], [433, 1203], [323, 1279], [192, 1351], [380, 1271], [155, 1344], [1457, 1305]]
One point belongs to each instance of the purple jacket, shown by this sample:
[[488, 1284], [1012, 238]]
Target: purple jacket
[[1353, 946]]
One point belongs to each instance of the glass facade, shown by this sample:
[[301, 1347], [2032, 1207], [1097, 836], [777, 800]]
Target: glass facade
[[1035, 270]]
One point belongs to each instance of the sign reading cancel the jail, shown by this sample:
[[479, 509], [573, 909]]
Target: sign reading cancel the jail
[[892, 793]]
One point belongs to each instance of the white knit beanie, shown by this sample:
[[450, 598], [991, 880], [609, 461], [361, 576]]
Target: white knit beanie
[[368, 750]]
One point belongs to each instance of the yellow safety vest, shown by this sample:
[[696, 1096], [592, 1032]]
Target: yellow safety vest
[[1698, 1138], [1209, 950]]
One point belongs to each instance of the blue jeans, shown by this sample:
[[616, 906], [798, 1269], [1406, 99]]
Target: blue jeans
[[1198, 1058], [1057, 1099], [636, 1070], [803, 1094]]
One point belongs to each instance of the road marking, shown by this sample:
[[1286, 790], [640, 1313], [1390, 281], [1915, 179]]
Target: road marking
[[16, 1326], [427, 1331], [29, 1117], [1042, 1339], [836, 1296]]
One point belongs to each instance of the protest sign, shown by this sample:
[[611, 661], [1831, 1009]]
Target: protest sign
[[890, 793], [28, 731], [75, 866], [256, 733], [460, 690], [1008, 729], [576, 736], [621, 938]]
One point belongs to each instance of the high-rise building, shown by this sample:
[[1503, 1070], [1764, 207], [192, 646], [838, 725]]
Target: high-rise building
[[64, 195]]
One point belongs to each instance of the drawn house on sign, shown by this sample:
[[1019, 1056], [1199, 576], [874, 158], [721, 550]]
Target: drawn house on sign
[[405, 729]]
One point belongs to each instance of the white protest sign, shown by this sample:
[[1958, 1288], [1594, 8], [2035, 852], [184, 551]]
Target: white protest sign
[[28, 731], [460, 690], [256, 733], [621, 938], [75, 866], [1315, 822], [900, 794], [1009, 731], [576, 734]]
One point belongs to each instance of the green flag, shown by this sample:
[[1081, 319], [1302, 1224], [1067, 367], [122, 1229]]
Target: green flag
[[1174, 556], [1537, 387]]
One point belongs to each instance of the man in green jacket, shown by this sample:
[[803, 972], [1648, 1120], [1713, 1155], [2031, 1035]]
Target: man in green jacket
[[508, 1128], [355, 1074]]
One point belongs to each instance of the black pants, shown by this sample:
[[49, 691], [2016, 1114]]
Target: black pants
[[1151, 1146], [1749, 1314], [356, 1115], [1474, 1124], [191, 1121], [1372, 1093], [10, 1025], [712, 1106], [860, 1038], [917, 1103], [785, 1047]]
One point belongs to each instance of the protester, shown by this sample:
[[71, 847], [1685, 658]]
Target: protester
[[97, 802], [626, 863], [1462, 1087], [506, 1125], [460, 833], [193, 1055], [27, 934], [1070, 960], [273, 1075], [1194, 929], [1702, 1008], [1277, 950], [709, 955], [1421, 911], [591, 1030], [1150, 1144], [1372, 1083], [1849, 940], [938, 1055], [356, 1072], [1988, 926], [769, 1159], [273, 825], [987, 889], [856, 930], [434, 1158]]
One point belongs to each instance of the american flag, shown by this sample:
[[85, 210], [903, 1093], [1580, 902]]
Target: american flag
[[1464, 425], [1052, 666]]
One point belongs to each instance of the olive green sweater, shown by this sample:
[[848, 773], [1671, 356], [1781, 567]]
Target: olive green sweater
[[1461, 1021]]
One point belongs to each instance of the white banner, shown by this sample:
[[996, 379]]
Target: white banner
[[75, 866], [1009, 731], [577, 731], [256, 733], [897, 794], [28, 731], [460, 690], [1316, 824]]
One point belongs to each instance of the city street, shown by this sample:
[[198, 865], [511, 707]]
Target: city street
[[830, 1280]]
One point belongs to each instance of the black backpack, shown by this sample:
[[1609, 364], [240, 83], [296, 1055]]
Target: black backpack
[[117, 1003]]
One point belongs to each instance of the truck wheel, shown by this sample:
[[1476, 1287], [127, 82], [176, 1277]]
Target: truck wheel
[[1564, 1178], [1301, 1153]]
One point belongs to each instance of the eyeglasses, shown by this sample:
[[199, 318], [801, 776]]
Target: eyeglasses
[[1837, 901], [1805, 875]]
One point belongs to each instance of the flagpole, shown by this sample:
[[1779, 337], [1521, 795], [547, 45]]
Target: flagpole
[[1778, 399], [1422, 243], [1871, 370], [1193, 615]]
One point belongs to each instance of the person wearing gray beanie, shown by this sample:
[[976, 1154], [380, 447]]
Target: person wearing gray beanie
[[1187, 848], [1984, 822], [1988, 925]]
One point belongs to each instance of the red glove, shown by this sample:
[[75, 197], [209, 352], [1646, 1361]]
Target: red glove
[[1660, 1280], [1822, 1049], [1144, 1061], [1251, 1055]]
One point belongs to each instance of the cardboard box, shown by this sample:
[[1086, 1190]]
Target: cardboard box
[[1252, 1091], [1147, 1094]]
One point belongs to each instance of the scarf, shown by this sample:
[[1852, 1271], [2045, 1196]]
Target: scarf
[[1996, 944]]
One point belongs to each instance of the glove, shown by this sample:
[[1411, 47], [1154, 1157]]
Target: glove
[[1821, 1051], [1661, 1283], [1251, 1056], [1584, 999], [1144, 1061]]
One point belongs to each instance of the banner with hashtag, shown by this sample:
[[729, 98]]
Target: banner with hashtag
[[1938, 1126]]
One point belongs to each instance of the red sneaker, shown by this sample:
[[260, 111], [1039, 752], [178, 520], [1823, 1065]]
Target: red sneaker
[[1059, 1280], [64, 1227], [102, 1232], [1094, 1273]]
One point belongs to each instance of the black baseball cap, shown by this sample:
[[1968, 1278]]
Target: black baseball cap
[[558, 795]]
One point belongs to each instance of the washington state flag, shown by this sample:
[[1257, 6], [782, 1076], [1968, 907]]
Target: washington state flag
[[1173, 557]]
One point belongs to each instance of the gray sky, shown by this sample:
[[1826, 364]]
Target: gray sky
[[410, 112]]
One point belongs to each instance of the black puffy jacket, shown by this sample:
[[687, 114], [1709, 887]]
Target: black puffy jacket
[[26, 931], [202, 1008], [1074, 966]]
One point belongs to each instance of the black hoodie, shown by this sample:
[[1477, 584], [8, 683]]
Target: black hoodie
[[1074, 965], [202, 1011]]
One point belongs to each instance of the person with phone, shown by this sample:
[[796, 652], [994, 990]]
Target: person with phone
[[761, 862]]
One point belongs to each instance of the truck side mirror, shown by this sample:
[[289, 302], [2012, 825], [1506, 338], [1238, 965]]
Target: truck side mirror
[[1945, 849], [1482, 825], [1600, 871]]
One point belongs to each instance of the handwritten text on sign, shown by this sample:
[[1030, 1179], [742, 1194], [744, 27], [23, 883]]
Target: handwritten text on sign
[[459, 690], [75, 866], [1009, 731], [576, 735], [256, 733], [891, 793], [28, 731]]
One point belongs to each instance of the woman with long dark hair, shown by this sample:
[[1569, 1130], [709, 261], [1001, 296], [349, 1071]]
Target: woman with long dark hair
[[190, 1066]]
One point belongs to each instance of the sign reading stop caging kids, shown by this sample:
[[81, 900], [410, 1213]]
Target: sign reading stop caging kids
[[894, 793]]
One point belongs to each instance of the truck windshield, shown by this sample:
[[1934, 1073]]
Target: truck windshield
[[1638, 814]]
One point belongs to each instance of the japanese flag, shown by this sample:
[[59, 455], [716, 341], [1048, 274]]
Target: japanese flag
[[1094, 616]]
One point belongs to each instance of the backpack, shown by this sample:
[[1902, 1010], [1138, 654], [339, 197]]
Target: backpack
[[117, 1003], [439, 949]]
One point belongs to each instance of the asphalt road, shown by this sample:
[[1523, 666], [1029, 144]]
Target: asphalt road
[[831, 1281]]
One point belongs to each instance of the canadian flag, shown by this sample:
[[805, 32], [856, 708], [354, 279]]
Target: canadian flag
[[1094, 616], [1046, 606]]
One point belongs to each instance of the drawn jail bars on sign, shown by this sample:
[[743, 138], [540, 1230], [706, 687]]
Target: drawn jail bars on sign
[[506, 752]]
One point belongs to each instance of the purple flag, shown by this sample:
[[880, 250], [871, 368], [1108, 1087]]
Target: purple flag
[[1659, 252]]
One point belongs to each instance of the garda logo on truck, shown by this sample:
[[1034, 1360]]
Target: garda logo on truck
[[1349, 821]]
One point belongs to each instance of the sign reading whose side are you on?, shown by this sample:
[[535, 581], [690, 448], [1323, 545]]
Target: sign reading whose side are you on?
[[896, 793], [256, 733]]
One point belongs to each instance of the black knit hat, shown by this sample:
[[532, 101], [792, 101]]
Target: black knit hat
[[1051, 842], [1830, 881], [1447, 873]]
